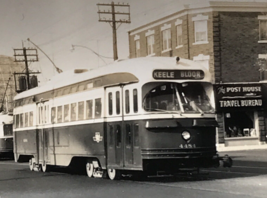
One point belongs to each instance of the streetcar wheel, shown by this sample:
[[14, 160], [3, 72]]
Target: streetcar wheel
[[114, 174], [89, 169], [45, 167], [31, 164]]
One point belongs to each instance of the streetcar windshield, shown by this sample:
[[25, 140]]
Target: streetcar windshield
[[188, 97]]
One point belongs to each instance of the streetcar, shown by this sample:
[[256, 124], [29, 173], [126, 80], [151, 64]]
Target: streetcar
[[6, 135], [149, 115]]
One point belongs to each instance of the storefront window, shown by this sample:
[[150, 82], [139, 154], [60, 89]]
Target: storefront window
[[240, 124]]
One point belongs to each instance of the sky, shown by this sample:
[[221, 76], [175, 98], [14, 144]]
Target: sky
[[55, 25]]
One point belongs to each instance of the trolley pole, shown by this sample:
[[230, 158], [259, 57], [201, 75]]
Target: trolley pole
[[120, 11]]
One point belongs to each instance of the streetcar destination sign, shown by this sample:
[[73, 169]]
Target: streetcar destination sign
[[178, 74]]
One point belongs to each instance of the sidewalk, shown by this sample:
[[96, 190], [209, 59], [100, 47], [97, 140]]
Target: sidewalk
[[221, 148]]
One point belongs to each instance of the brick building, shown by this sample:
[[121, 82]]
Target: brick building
[[229, 39]]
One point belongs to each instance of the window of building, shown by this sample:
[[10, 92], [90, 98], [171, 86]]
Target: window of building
[[127, 101], [200, 31], [166, 39], [201, 28], [241, 124], [80, 110], [89, 109], [73, 111], [137, 45], [150, 44], [135, 102], [179, 33], [110, 109], [262, 28], [98, 108], [179, 37], [118, 106], [59, 114], [66, 113]]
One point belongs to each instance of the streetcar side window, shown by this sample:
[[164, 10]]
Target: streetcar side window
[[21, 120], [59, 114], [66, 91], [118, 109], [81, 110], [89, 109], [110, 109], [81, 87], [136, 135], [135, 102], [26, 119], [53, 115], [66, 113], [31, 119], [128, 135], [118, 136], [8, 129], [73, 111], [73, 89], [98, 108], [17, 121], [127, 102]]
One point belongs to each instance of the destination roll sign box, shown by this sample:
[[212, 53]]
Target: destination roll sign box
[[238, 96], [178, 74]]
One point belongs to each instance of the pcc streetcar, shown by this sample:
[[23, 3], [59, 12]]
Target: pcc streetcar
[[6, 135], [152, 115]]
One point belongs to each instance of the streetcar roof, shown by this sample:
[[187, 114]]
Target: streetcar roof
[[138, 70]]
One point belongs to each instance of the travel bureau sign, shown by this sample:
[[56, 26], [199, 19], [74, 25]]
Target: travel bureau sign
[[229, 96], [178, 74]]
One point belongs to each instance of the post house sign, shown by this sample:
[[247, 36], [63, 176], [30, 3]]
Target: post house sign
[[238, 96]]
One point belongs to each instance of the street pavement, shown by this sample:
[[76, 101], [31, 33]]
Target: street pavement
[[246, 179]]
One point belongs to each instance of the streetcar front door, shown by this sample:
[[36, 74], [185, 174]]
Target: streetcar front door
[[42, 133], [115, 126]]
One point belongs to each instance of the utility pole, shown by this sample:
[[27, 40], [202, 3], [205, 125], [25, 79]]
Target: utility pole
[[22, 55], [120, 11]]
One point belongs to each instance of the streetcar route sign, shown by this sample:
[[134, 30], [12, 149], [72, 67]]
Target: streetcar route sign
[[160, 74], [97, 138]]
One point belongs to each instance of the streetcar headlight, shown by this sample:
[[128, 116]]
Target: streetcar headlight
[[186, 135]]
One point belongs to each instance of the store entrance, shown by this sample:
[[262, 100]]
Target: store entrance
[[240, 124]]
